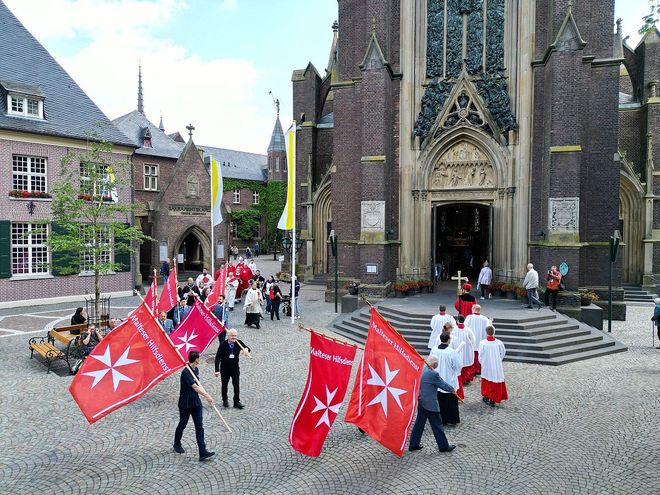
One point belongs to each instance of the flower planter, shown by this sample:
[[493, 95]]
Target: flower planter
[[585, 301], [353, 290], [511, 295], [399, 294]]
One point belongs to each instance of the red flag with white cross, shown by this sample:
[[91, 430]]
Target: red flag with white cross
[[384, 397], [330, 364], [170, 294], [124, 366], [197, 330]]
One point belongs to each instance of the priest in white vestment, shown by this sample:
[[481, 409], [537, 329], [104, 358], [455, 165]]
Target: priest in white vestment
[[252, 305], [449, 367], [491, 355], [437, 325]]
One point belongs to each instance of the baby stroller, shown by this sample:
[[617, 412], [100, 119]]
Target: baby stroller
[[286, 305]]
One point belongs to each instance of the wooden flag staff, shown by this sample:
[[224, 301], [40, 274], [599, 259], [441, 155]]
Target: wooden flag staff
[[364, 298], [199, 384], [339, 341]]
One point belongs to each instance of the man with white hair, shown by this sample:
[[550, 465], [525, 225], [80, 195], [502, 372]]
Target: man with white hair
[[226, 366], [429, 409], [531, 283]]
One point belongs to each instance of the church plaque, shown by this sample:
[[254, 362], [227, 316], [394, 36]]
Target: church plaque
[[564, 214], [189, 211], [373, 217]]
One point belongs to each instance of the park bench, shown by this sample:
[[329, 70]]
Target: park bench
[[45, 349]]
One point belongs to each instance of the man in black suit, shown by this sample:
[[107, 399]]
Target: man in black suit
[[428, 408], [226, 366]]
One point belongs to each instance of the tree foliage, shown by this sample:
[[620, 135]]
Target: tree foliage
[[651, 19], [91, 226]]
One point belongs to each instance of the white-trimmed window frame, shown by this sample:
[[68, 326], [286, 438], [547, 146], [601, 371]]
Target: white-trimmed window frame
[[87, 256], [151, 176], [255, 197], [29, 173], [25, 241], [107, 191], [237, 196], [19, 105]]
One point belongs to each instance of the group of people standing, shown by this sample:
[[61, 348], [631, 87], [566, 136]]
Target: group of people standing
[[460, 348]]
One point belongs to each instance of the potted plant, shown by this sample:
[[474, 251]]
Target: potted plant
[[425, 286], [496, 288], [413, 286], [587, 297], [509, 291], [521, 292], [400, 289], [352, 288]]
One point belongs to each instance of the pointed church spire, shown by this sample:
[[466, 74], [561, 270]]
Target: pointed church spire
[[160, 125], [332, 59], [140, 106], [277, 138]]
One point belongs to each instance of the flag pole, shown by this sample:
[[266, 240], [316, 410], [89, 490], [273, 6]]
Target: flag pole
[[293, 230], [212, 221], [186, 363]]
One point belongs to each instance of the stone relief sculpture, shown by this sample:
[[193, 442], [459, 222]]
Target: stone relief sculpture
[[462, 166], [564, 214], [192, 190]]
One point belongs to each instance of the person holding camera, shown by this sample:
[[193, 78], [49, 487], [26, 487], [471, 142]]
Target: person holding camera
[[90, 339], [552, 282]]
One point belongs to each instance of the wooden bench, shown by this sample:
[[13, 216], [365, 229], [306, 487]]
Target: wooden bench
[[73, 350], [45, 349]]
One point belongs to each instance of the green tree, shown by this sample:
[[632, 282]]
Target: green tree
[[651, 19], [91, 230]]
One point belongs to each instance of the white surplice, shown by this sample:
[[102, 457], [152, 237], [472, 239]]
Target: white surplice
[[437, 325], [466, 336], [478, 324], [491, 354], [449, 365]]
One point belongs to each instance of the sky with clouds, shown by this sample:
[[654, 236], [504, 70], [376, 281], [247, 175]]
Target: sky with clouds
[[206, 62]]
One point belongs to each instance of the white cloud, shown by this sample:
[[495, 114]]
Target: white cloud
[[215, 95]]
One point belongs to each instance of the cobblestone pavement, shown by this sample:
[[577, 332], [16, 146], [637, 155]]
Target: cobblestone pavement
[[590, 427]]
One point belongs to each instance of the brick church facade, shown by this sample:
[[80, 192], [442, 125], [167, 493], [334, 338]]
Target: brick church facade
[[445, 133]]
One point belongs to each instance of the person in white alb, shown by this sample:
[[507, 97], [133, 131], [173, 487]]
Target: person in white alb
[[477, 323], [437, 325], [491, 355], [449, 367], [463, 335]]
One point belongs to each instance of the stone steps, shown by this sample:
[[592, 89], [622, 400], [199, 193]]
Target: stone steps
[[635, 293], [549, 339]]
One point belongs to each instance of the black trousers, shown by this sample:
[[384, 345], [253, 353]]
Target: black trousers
[[184, 415], [275, 308], [433, 417], [551, 293], [225, 375]]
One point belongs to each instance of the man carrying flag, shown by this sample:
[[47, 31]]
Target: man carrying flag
[[196, 331], [384, 395]]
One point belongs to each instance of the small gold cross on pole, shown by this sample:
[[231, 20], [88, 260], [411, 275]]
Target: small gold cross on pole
[[459, 279]]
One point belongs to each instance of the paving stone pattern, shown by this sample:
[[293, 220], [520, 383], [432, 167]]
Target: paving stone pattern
[[588, 427]]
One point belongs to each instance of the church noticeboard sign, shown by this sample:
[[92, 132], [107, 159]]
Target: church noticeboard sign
[[189, 211]]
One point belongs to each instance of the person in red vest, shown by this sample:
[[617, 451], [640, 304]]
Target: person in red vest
[[465, 301]]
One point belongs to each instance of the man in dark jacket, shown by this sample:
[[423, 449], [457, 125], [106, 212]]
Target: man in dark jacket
[[428, 408], [191, 405], [226, 366]]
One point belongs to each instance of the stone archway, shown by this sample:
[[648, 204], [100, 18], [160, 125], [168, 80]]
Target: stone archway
[[195, 245], [632, 222], [322, 218]]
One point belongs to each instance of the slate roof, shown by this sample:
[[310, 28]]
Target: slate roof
[[133, 125], [277, 138], [238, 164], [68, 111]]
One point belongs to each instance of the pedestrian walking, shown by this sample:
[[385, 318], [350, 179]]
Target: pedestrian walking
[[531, 284], [226, 367]]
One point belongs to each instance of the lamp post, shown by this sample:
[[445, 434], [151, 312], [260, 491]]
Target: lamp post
[[333, 247], [614, 249], [287, 243]]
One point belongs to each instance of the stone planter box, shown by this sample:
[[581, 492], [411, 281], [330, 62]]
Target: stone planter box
[[592, 315], [511, 295]]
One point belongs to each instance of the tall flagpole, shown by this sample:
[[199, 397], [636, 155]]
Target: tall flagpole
[[212, 222], [293, 230]]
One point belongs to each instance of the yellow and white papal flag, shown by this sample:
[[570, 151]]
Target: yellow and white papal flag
[[216, 192], [288, 218]]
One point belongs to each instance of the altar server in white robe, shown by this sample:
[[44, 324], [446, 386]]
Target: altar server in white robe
[[449, 367], [477, 323], [463, 335], [437, 325], [230, 289], [491, 355]]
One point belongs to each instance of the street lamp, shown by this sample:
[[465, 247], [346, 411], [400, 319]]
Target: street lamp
[[287, 243]]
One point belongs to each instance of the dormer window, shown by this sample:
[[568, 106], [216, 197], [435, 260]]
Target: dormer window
[[146, 138], [25, 106]]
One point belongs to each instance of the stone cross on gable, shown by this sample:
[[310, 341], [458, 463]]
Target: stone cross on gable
[[459, 279], [190, 129]]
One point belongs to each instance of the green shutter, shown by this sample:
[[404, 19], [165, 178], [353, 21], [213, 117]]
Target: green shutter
[[65, 262], [123, 254], [5, 249]]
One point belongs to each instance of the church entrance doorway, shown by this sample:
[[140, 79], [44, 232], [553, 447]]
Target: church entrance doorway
[[193, 255], [462, 239]]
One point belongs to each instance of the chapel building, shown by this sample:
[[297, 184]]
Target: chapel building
[[448, 133]]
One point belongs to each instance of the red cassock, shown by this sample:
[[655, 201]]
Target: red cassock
[[464, 304], [245, 274]]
